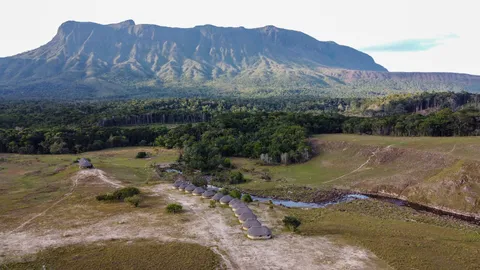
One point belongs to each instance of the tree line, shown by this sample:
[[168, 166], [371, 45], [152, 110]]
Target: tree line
[[47, 114], [445, 122], [272, 137]]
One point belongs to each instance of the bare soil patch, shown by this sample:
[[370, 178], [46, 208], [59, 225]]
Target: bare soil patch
[[80, 221]]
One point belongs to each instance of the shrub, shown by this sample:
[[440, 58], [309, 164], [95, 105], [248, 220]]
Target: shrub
[[270, 204], [119, 195], [224, 191], [174, 208], [141, 155], [200, 181], [236, 178], [227, 163], [213, 204], [134, 200], [291, 223], [247, 198], [235, 194], [123, 193], [105, 197]]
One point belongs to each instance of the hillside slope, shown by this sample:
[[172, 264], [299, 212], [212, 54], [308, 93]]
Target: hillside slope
[[438, 172], [89, 60]]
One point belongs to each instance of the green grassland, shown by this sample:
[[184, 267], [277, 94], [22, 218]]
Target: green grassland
[[440, 172], [122, 164], [30, 183], [462, 147], [119, 254], [404, 238], [330, 165]]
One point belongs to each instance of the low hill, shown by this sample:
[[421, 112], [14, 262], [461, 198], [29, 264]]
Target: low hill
[[123, 60]]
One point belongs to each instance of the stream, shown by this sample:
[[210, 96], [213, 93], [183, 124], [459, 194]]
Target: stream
[[293, 204], [357, 196]]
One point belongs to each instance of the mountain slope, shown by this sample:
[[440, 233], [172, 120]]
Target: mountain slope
[[125, 60]]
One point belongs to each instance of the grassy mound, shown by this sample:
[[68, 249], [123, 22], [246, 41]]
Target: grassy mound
[[141, 254]]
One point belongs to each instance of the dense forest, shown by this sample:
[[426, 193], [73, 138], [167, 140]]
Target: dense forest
[[275, 131], [445, 122], [47, 114], [273, 137]]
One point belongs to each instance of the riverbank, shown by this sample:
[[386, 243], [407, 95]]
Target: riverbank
[[307, 197]]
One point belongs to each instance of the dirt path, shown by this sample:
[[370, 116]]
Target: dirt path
[[453, 149], [357, 169], [218, 228]]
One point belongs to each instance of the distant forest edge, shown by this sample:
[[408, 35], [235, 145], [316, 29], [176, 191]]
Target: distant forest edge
[[46, 114], [275, 131]]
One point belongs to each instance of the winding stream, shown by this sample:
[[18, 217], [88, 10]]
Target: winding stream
[[356, 196]]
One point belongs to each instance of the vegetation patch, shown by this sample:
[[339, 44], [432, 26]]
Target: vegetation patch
[[404, 238], [291, 223], [140, 254], [247, 198], [174, 208], [134, 200], [141, 155], [119, 194]]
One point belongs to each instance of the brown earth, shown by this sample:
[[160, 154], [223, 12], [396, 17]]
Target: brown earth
[[74, 219]]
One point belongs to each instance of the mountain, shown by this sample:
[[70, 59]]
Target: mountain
[[89, 60]]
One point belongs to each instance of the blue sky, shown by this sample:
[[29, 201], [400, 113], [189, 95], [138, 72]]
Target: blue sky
[[403, 35]]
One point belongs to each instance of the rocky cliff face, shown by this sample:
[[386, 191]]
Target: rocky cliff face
[[126, 59]]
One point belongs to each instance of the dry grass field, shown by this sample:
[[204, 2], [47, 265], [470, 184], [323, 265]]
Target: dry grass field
[[51, 219], [440, 172], [48, 210]]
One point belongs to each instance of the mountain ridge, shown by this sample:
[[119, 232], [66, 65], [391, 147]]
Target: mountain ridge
[[128, 59]]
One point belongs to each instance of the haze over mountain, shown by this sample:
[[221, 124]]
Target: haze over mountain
[[88, 60]]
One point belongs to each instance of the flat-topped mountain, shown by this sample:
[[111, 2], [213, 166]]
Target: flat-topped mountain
[[89, 60]]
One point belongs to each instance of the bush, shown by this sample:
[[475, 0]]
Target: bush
[[291, 223], [141, 155], [235, 194], [174, 208], [236, 178], [119, 195], [227, 163], [200, 181], [270, 204], [134, 200], [123, 193], [224, 191], [213, 204], [105, 197], [247, 198]]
